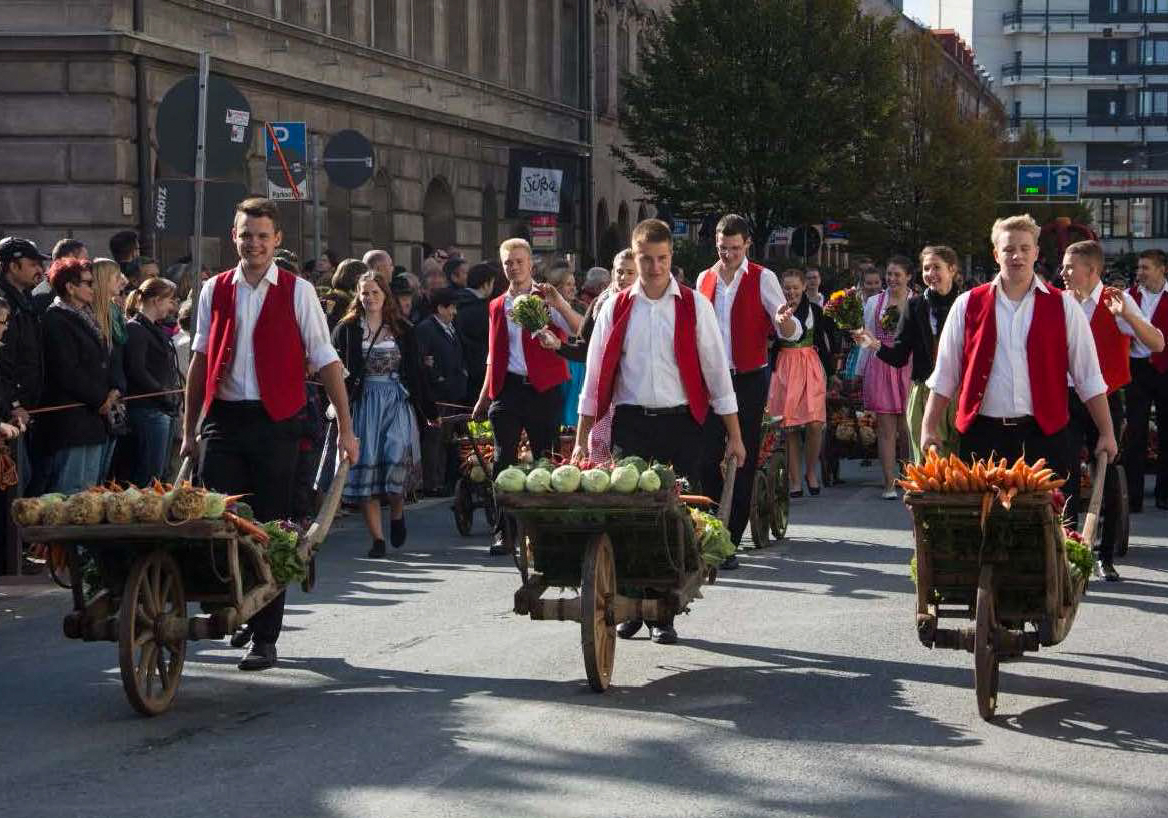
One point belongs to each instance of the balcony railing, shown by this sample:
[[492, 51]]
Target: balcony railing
[[1078, 70], [1062, 18], [1071, 121]]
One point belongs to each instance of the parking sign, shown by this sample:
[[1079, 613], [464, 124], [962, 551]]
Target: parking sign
[[1064, 181], [286, 149]]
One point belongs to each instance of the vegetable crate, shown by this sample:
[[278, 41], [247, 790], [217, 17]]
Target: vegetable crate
[[474, 488], [850, 432], [131, 585], [770, 507], [633, 556], [1012, 578]]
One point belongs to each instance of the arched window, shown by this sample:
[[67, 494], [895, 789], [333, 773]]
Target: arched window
[[456, 34], [602, 64], [642, 213], [489, 38], [424, 30], [570, 52], [438, 225], [622, 222], [517, 41], [490, 229], [623, 65]]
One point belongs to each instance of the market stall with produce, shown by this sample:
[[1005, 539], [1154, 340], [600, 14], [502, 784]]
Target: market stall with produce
[[133, 558], [991, 547], [624, 536]]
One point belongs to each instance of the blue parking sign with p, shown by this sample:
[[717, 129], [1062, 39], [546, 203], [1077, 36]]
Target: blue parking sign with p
[[286, 151], [1064, 181]]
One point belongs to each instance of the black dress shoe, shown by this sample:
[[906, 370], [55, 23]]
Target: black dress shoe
[[1109, 572], [663, 634], [397, 532], [261, 657], [797, 493], [499, 547], [813, 491], [729, 564], [378, 549], [627, 630], [241, 637]]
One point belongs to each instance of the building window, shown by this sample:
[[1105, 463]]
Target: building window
[[340, 18], [1154, 52], [385, 25], [602, 64], [545, 46], [424, 30], [293, 12], [489, 38], [517, 41], [570, 52], [623, 62], [1154, 103], [456, 34]]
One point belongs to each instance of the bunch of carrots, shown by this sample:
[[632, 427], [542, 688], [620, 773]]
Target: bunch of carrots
[[952, 475]]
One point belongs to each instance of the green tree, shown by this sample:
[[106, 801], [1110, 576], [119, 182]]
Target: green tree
[[940, 172], [768, 108]]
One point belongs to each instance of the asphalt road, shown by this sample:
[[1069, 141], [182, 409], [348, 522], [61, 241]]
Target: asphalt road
[[408, 688]]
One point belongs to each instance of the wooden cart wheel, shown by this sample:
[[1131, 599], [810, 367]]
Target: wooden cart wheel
[[1118, 500], [520, 549], [985, 663], [463, 507], [760, 508], [152, 632], [780, 496], [490, 507], [597, 630]]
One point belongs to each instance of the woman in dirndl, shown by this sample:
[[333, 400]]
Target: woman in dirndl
[[390, 399], [798, 391], [886, 387]]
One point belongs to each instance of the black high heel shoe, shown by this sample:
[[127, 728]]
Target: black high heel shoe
[[397, 532]]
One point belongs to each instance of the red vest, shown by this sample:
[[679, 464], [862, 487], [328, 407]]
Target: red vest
[[279, 350], [1046, 352], [1113, 347], [750, 326], [1160, 322], [545, 369], [685, 348]]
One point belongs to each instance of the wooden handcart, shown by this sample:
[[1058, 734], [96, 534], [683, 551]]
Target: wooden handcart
[[631, 556], [470, 494], [141, 577], [770, 507], [1011, 579]]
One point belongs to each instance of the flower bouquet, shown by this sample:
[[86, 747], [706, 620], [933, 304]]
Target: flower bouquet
[[890, 318], [530, 312], [845, 308]]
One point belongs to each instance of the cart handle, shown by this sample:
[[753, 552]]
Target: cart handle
[[729, 472], [1091, 521]]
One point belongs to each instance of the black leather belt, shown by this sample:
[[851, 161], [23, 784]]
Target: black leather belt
[[516, 378], [737, 372], [1022, 420], [653, 411]]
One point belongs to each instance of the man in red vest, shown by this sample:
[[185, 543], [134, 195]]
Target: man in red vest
[[1005, 354], [1115, 320], [748, 302], [258, 327], [522, 389], [1149, 384], [656, 354]]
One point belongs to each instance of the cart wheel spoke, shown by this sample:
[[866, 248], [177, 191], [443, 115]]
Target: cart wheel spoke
[[597, 588], [150, 668], [985, 662], [143, 637]]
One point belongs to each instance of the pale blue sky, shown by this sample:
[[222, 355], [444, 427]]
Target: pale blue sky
[[954, 14]]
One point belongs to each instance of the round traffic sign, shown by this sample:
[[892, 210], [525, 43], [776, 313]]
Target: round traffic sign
[[805, 241], [228, 126], [348, 159]]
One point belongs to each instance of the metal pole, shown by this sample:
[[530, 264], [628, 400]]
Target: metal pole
[[200, 185], [314, 163]]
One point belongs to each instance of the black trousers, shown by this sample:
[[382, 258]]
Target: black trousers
[[439, 455], [751, 390], [249, 453], [519, 407], [675, 439], [1082, 433], [1148, 388], [989, 436]]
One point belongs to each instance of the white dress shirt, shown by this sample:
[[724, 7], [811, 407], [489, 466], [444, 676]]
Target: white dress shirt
[[724, 294], [240, 382], [1007, 393], [516, 358], [648, 374], [1092, 301], [816, 299], [1148, 303]]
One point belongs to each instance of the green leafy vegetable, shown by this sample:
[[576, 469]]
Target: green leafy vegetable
[[530, 312], [283, 558]]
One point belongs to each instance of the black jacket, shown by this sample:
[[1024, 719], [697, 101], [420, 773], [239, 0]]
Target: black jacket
[[824, 331], [21, 359], [915, 338], [151, 365], [77, 370], [578, 351], [473, 328], [347, 340], [448, 376]]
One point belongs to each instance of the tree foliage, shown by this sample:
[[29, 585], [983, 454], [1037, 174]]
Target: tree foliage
[[775, 109]]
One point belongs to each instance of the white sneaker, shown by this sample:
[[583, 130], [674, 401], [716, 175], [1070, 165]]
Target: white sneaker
[[889, 494]]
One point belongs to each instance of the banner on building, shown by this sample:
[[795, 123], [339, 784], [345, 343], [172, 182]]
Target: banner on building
[[540, 182]]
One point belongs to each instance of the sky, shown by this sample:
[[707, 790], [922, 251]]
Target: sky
[[954, 14]]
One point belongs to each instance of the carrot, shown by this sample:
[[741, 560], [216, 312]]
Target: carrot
[[695, 500], [1038, 465], [933, 484], [1008, 498], [908, 485], [246, 527]]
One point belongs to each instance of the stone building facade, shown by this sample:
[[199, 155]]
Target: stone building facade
[[443, 89]]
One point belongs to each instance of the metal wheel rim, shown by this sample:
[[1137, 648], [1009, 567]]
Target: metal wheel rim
[[759, 510], [463, 512], [597, 633], [151, 668], [985, 663]]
